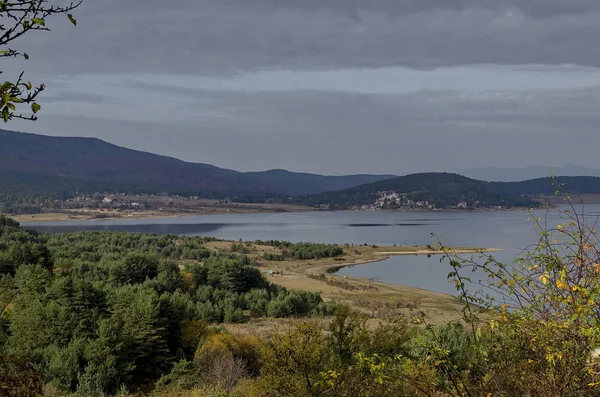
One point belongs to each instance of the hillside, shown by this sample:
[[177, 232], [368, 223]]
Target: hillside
[[31, 162], [444, 190]]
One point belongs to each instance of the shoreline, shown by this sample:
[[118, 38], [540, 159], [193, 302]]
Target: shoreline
[[377, 298], [383, 256], [81, 216], [85, 216]]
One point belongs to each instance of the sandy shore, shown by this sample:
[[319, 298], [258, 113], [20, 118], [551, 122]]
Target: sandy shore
[[116, 215], [378, 299], [81, 216], [381, 302]]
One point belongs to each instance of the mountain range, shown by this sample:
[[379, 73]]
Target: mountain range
[[40, 164], [30, 162], [447, 190]]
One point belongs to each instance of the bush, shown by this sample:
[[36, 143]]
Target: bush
[[274, 257], [232, 314], [315, 251]]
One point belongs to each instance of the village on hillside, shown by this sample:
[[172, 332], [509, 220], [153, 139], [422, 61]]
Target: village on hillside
[[392, 200]]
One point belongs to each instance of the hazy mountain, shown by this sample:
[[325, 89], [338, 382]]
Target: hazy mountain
[[30, 161], [531, 172]]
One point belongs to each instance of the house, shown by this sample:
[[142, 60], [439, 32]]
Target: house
[[107, 200], [462, 205]]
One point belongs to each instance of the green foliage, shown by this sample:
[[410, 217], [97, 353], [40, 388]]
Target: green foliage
[[135, 268], [95, 314], [20, 18], [239, 248], [92, 313], [301, 251], [294, 362], [185, 375], [314, 251], [274, 257], [20, 247], [286, 303], [233, 274]]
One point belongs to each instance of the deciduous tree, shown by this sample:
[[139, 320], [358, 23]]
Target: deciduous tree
[[17, 18]]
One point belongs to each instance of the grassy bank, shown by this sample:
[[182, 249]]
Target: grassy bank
[[381, 301]]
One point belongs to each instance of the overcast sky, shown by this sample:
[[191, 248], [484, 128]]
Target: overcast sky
[[327, 86]]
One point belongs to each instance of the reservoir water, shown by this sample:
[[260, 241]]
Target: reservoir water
[[511, 231]]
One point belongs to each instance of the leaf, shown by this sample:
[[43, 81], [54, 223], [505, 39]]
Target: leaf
[[25, 55], [11, 106], [73, 20], [38, 21], [35, 107]]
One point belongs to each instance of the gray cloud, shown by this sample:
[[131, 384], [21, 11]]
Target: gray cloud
[[229, 36], [332, 86], [334, 132]]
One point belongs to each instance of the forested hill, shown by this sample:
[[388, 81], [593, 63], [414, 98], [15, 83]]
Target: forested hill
[[446, 190], [37, 162]]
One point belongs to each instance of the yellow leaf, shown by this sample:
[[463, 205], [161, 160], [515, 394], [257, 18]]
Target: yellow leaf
[[562, 285]]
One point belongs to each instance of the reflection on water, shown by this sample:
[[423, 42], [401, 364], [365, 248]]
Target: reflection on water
[[386, 224], [179, 229]]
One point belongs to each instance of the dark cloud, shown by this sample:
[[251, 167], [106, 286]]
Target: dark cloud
[[229, 36], [156, 75]]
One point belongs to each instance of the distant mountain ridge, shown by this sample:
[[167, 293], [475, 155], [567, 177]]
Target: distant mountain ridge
[[525, 173], [32, 161], [447, 190]]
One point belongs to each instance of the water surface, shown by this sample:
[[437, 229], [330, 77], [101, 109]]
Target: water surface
[[507, 230]]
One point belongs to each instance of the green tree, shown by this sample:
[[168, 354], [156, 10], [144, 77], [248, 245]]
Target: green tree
[[292, 366], [139, 311], [135, 268], [347, 329]]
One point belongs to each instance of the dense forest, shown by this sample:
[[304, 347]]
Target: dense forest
[[93, 312]]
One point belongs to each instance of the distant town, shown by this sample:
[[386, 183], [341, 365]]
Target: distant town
[[392, 200]]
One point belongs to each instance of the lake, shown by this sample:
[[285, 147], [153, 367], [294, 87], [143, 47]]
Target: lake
[[508, 230]]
